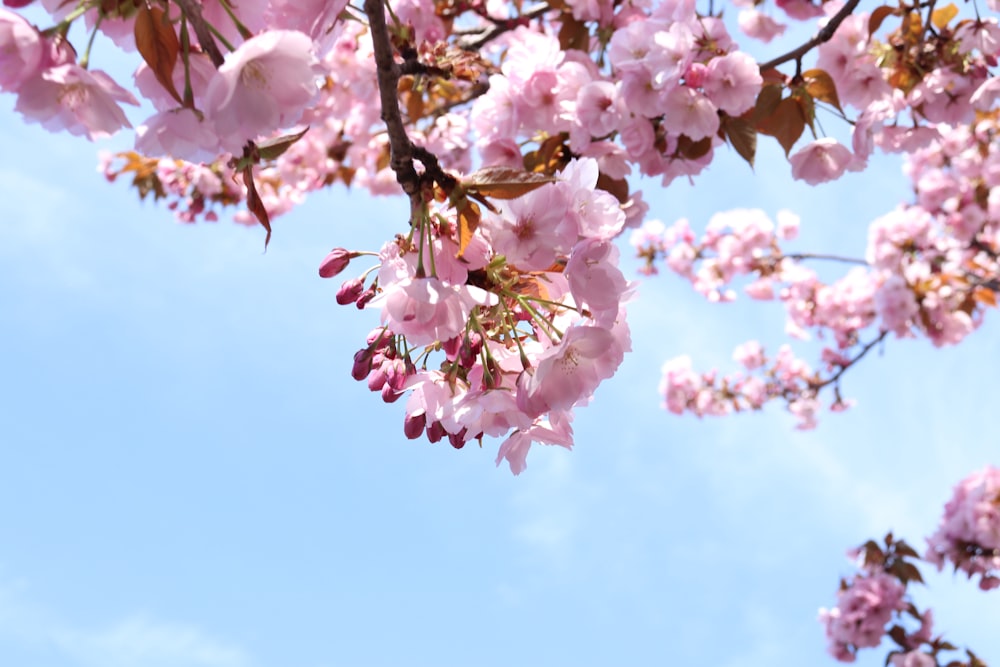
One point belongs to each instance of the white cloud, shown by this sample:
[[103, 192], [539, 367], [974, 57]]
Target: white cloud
[[135, 641]]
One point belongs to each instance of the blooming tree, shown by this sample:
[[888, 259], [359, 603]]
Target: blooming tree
[[518, 132]]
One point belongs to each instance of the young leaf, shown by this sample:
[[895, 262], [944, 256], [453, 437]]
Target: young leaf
[[469, 217], [941, 16], [820, 85], [158, 45], [878, 15], [786, 123], [742, 135], [273, 148], [504, 182], [255, 204]]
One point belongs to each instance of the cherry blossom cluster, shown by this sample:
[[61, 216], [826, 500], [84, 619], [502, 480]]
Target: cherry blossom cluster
[[931, 269], [969, 535], [504, 337], [875, 597]]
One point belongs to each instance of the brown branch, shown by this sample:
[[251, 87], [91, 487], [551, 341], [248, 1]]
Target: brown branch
[[192, 10], [835, 378], [500, 26], [400, 146], [799, 256], [824, 35]]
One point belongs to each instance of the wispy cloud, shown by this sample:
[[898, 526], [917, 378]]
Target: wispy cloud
[[137, 640]]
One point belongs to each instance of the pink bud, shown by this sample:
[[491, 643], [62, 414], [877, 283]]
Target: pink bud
[[334, 263], [413, 425], [16, 4], [436, 431], [350, 291]]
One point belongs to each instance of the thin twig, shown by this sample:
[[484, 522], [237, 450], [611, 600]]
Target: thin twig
[[824, 35], [798, 256], [500, 27], [833, 379]]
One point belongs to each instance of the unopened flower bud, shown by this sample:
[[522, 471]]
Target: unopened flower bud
[[436, 431], [390, 395], [362, 364], [413, 425], [335, 262], [350, 291]]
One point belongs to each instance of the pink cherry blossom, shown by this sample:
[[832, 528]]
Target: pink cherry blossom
[[20, 50], [82, 102], [426, 310], [262, 87], [568, 373], [821, 161]]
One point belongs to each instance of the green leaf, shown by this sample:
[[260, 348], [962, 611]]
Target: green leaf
[[273, 148]]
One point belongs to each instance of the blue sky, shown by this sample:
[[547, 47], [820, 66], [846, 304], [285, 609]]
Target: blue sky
[[190, 477]]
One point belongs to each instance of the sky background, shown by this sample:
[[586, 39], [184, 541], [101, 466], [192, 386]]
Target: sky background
[[191, 478]]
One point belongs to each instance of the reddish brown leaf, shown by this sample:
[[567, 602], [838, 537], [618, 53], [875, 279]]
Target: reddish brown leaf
[[878, 15], [985, 296], [785, 124], [469, 217], [941, 16], [158, 45], [690, 149], [742, 135], [504, 182], [615, 186], [255, 205], [820, 85], [574, 34], [767, 101]]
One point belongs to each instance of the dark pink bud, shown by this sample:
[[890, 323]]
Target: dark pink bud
[[396, 374], [390, 395], [335, 262], [451, 347], [350, 291], [362, 364], [365, 297], [376, 380], [435, 432], [17, 4], [457, 440], [414, 425]]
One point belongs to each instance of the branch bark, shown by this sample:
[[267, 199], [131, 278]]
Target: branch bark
[[824, 35], [400, 146]]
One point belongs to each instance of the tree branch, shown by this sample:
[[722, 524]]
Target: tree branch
[[824, 35], [400, 146]]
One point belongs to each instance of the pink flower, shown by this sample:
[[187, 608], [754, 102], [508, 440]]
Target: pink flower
[[732, 82], [569, 372], [821, 161], [594, 277], [426, 310], [862, 611], [515, 448], [179, 133], [20, 50], [688, 112], [760, 26], [969, 533], [263, 86], [82, 102]]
